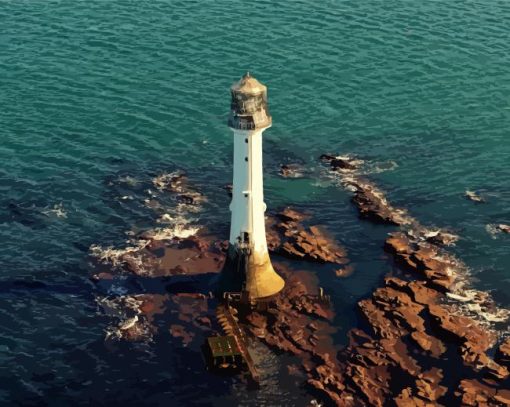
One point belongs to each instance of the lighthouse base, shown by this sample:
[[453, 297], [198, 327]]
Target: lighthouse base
[[251, 273]]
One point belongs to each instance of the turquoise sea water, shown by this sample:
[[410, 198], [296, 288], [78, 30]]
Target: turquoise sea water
[[91, 91]]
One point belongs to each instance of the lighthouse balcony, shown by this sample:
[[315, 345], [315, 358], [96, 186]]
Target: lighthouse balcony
[[252, 122], [241, 124]]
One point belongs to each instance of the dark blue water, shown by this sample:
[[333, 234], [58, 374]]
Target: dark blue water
[[92, 92]]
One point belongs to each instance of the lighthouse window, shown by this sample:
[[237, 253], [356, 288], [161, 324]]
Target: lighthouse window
[[246, 195], [245, 140], [245, 158]]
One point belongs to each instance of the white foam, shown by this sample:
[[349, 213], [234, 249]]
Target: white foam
[[131, 181], [126, 311], [380, 167], [57, 210], [493, 230], [115, 256], [180, 231], [163, 181]]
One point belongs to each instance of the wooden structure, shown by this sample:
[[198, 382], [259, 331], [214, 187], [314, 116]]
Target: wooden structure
[[224, 353]]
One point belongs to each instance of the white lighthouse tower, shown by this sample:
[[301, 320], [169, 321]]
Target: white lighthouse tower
[[248, 268]]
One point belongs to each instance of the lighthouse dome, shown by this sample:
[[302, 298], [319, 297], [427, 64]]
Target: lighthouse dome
[[248, 85], [248, 109]]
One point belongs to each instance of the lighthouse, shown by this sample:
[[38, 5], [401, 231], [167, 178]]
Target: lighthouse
[[248, 268]]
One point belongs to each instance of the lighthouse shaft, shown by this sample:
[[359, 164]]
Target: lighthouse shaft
[[247, 223]]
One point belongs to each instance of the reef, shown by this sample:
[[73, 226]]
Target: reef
[[289, 237], [425, 336], [428, 336]]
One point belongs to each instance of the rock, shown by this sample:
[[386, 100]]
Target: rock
[[288, 237], [174, 182], [291, 171], [422, 258], [291, 215], [503, 353], [442, 238], [102, 276], [504, 228], [327, 158], [428, 387], [190, 198], [228, 188], [461, 329], [429, 343], [503, 396], [344, 271], [372, 205], [406, 399], [474, 393], [473, 196], [178, 331], [341, 162]]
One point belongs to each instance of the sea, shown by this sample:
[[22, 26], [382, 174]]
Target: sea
[[98, 97]]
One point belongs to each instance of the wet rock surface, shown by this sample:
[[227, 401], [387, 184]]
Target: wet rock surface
[[287, 236], [291, 170]]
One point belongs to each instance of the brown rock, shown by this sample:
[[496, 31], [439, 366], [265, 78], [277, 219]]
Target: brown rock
[[503, 353], [291, 170], [178, 331], [288, 237], [461, 329], [429, 343], [427, 385], [503, 396], [474, 393]]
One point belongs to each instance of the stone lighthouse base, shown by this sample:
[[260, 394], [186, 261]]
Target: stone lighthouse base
[[251, 273]]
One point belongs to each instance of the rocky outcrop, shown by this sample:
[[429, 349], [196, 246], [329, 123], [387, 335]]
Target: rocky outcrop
[[287, 236], [503, 353], [425, 329], [291, 171], [372, 205], [474, 393], [299, 322], [339, 162], [423, 258]]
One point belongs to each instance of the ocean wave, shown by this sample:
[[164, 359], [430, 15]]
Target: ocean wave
[[179, 231]]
